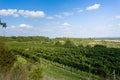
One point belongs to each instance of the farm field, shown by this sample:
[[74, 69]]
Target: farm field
[[68, 58]]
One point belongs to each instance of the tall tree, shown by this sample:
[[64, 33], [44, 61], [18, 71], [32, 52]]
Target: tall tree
[[3, 26]]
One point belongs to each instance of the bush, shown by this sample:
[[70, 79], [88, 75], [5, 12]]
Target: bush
[[69, 44], [36, 74]]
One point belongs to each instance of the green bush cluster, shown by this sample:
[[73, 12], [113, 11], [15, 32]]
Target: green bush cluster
[[36, 74]]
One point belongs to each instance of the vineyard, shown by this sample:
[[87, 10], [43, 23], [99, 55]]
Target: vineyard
[[65, 58]]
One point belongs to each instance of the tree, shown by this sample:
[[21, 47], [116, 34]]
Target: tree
[[69, 44], [58, 44], [3, 26]]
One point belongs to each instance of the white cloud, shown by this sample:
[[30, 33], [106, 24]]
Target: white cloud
[[33, 14], [24, 13], [65, 30], [21, 30], [25, 26], [21, 26], [9, 12], [66, 24], [50, 17], [28, 30], [93, 7], [117, 17]]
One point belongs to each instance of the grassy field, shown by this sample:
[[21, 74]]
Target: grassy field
[[55, 71]]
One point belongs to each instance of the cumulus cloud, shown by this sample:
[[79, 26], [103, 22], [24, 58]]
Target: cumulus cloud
[[27, 30], [93, 7], [9, 12], [33, 14], [21, 26], [66, 24], [24, 26], [21, 30], [24, 13]]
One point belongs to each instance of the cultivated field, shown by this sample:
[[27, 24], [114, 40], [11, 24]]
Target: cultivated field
[[42, 58]]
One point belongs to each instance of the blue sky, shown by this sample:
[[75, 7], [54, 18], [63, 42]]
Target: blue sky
[[61, 18]]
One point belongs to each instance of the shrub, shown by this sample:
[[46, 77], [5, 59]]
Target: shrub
[[69, 44], [36, 74]]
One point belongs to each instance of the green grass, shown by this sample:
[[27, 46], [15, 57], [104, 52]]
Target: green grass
[[54, 71]]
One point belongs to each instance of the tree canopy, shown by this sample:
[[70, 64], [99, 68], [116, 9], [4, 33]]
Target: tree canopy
[[3, 24]]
